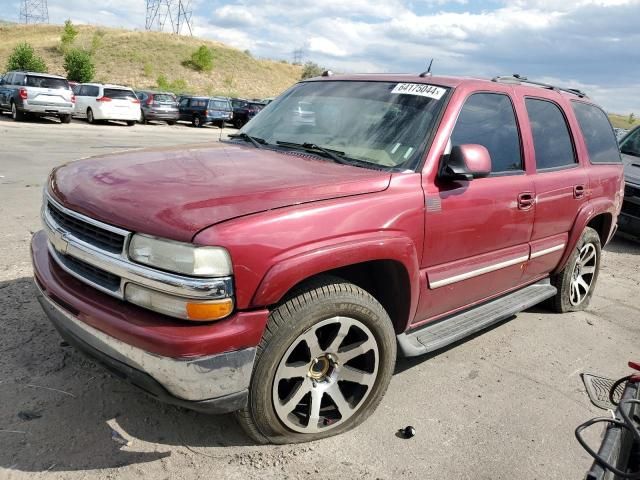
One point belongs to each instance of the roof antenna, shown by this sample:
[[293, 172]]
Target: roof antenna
[[428, 72]]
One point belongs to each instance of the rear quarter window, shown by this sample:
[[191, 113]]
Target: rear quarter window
[[597, 132]]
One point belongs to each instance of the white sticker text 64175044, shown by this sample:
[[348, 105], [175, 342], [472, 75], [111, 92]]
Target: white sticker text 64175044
[[420, 89]]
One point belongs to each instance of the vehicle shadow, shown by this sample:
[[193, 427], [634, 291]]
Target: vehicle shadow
[[59, 410], [30, 119], [623, 243]]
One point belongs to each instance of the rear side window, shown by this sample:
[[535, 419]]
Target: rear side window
[[92, 91], [46, 82], [597, 132], [119, 93], [551, 138], [488, 119]]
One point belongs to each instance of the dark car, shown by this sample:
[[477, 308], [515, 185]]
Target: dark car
[[629, 220], [202, 110], [245, 110], [158, 106]]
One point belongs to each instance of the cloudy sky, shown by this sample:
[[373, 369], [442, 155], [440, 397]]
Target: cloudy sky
[[589, 44]]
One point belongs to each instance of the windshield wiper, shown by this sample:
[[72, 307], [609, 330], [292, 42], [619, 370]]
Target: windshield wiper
[[335, 155], [257, 142]]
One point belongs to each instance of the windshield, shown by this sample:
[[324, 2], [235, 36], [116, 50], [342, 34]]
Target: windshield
[[385, 124], [630, 145], [46, 82]]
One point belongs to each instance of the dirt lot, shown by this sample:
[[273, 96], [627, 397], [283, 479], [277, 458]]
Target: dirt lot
[[503, 404]]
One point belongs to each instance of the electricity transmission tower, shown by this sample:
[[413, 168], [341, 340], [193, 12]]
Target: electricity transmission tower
[[298, 55], [175, 14], [34, 11]]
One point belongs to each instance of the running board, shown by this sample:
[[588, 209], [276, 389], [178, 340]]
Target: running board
[[436, 335]]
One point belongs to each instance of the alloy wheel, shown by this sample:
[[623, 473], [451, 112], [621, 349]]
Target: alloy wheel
[[583, 273], [14, 111], [326, 375]]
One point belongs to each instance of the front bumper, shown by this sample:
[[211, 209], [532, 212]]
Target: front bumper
[[202, 366], [215, 384], [629, 218]]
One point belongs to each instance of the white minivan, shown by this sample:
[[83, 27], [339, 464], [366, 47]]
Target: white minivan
[[95, 101]]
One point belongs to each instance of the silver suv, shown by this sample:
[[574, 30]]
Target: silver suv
[[31, 93]]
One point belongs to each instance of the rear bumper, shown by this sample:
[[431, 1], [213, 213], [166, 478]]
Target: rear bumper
[[170, 116], [47, 109], [125, 115]]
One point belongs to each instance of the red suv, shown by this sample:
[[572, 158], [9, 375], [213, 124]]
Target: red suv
[[279, 274]]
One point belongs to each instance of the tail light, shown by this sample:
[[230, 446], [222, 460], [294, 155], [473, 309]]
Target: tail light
[[135, 100], [23, 93], [206, 113], [103, 99], [73, 99], [149, 100]]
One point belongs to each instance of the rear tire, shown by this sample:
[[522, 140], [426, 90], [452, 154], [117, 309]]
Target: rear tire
[[171, 122], [197, 121], [17, 115], [131, 123], [577, 281], [143, 119], [90, 118], [65, 118], [343, 341], [238, 124]]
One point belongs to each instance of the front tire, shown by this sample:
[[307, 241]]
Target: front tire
[[131, 123], [577, 281], [197, 121], [65, 118], [323, 365]]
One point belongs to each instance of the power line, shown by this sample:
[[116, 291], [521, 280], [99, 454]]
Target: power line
[[34, 11], [173, 14]]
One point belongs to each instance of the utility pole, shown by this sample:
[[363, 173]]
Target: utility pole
[[177, 12], [34, 11]]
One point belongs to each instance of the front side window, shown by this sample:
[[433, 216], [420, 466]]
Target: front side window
[[597, 132], [488, 119], [551, 137], [376, 124], [630, 145]]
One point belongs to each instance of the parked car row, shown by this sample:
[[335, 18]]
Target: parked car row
[[41, 94]]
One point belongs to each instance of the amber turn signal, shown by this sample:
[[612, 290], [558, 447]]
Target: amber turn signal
[[210, 310]]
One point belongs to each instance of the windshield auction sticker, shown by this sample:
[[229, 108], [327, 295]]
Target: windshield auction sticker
[[420, 89]]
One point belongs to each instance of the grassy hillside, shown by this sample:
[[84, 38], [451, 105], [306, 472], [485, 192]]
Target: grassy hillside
[[622, 121], [137, 59]]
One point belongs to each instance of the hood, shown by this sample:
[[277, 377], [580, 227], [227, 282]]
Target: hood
[[631, 169], [176, 192]]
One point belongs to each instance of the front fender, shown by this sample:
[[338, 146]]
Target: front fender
[[291, 270]]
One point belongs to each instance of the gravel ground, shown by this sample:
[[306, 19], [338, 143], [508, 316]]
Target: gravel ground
[[502, 404]]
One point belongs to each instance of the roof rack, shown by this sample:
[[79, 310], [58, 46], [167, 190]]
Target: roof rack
[[519, 79]]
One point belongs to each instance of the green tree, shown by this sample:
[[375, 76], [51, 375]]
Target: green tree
[[79, 65], [69, 34], [631, 119], [202, 59], [311, 70], [23, 57]]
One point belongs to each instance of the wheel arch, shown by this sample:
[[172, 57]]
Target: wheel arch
[[597, 215], [387, 268]]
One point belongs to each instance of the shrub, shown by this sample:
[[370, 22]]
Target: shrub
[[202, 59], [177, 86], [24, 58], [311, 70], [69, 34], [148, 69], [79, 65]]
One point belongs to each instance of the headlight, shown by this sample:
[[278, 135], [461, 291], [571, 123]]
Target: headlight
[[180, 257]]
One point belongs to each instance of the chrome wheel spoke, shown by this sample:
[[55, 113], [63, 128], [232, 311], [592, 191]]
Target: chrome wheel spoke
[[295, 370], [314, 408], [582, 284], [338, 399], [352, 351], [312, 343], [350, 374], [588, 270], [342, 332]]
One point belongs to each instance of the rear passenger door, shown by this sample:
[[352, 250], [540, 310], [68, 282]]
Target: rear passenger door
[[561, 184], [477, 232]]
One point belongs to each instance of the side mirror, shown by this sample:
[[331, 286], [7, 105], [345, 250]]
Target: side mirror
[[466, 162]]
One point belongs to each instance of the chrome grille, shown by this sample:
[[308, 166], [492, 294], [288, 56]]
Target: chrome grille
[[93, 274], [92, 234]]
